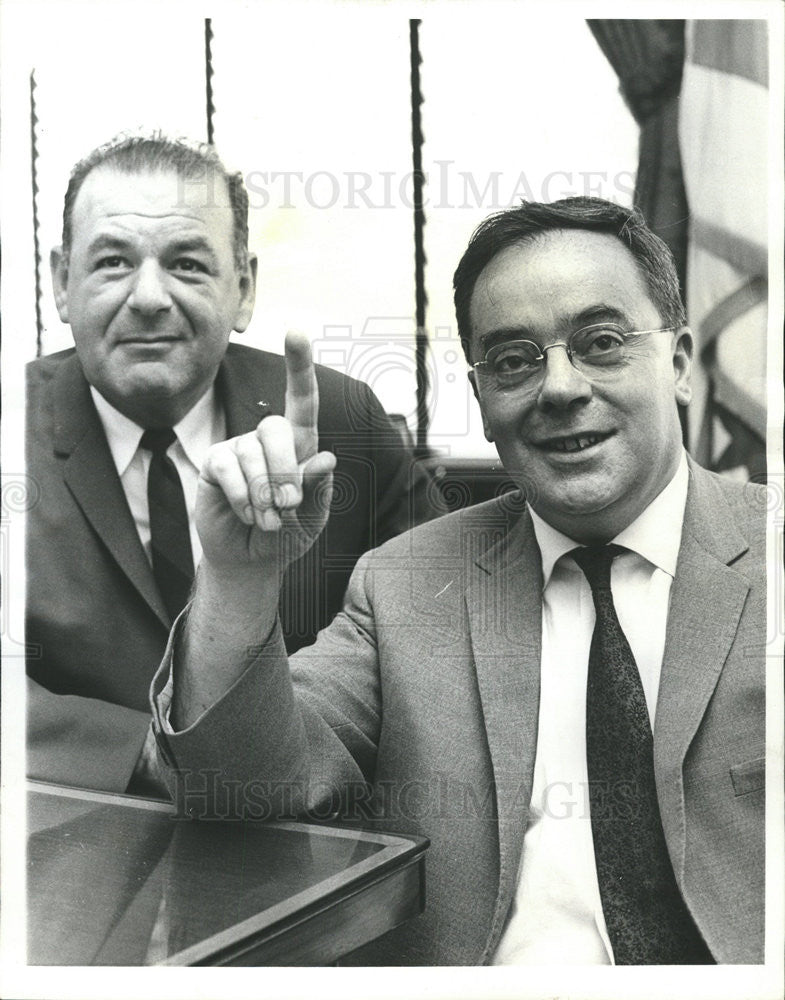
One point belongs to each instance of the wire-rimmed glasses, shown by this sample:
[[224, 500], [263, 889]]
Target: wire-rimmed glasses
[[592, 350]]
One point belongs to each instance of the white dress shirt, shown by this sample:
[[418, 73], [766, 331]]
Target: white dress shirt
[[201, 427], [556, 916]]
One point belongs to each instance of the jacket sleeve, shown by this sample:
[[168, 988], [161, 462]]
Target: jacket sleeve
[[290, 737], [84, 742]]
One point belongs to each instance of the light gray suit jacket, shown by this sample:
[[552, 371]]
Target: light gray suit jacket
[[416, 711]]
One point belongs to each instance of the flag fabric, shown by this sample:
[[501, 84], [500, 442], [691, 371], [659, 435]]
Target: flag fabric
[[723, 126]]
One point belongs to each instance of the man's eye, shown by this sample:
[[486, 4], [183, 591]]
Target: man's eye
[[110, 263], [513, 360], [510, 361], [602, 342], [189, 265], [605, 342]]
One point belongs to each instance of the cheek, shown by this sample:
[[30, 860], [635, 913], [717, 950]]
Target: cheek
[[95, 309], [489, 415], [206, 311], [658, 408], [505, 412]]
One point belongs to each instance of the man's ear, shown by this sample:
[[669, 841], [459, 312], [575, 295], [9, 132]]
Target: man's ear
[[486, 428], [58, 264], [247, 294], [682, 364]]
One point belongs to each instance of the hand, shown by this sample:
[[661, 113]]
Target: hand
[[265, 496]]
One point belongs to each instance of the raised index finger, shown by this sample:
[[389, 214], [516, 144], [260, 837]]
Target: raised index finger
[[302, 395]]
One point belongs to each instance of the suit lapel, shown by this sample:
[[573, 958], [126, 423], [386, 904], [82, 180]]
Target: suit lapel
[[243, 383], [89, 470], [90, 474], [706, 602], [504, 601]]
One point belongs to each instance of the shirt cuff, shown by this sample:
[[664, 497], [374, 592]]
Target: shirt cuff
[[162, 688]]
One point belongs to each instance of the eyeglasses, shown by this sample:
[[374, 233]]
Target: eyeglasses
[[593, 350]]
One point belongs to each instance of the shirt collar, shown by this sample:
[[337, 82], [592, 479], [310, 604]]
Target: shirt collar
[[201, 427], [122, 434], [655, 534]]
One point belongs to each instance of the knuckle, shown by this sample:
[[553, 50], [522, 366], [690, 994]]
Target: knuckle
[[264, 492], [219, 459], [247, 446], [272, 426]]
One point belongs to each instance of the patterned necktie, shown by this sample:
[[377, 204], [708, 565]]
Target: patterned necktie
[[170, 538], [647, 920]]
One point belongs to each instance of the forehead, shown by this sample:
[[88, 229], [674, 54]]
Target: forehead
[[555, 278], [140, 201]]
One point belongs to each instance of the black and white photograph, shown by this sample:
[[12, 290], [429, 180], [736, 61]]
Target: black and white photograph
[[392, 500]]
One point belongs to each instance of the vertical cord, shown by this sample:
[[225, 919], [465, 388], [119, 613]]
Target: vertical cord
[[421, 299], [208, 75], [36, 242]]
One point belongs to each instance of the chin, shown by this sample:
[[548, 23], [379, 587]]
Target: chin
[[155, 385], [580, 499]]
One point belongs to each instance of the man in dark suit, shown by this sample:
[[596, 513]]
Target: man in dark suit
[[153, 275], [564, 688]]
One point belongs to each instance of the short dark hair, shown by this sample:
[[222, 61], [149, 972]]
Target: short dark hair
[[156, 152], [519, 225]]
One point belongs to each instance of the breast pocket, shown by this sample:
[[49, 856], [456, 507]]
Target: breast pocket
[[749, 776]]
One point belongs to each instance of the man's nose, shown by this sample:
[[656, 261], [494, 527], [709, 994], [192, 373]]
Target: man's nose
[[562, 383], [150, 293]]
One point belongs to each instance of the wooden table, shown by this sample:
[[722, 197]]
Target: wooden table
[[117, 880]]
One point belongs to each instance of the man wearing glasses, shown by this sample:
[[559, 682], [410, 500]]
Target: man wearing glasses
[[566, 694]]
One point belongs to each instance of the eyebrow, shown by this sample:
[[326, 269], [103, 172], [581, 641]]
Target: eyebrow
[[104, 241], [195, 244], [599, 313]]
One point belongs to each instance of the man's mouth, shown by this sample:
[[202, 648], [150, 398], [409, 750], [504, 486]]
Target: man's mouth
[[147, 338], [148, 341], [574, 442]]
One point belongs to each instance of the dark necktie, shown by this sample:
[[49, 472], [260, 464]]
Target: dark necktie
[[647, 920], [170, 539]]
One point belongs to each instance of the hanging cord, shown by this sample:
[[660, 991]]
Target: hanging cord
[[36, 242], [208, 77], [421, 299]]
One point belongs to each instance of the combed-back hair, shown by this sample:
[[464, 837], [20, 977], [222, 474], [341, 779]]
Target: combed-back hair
[[137, 154], [517, 226]]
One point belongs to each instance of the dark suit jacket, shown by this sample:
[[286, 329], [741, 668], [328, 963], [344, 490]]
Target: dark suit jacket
[[96, 622], [418, 706]]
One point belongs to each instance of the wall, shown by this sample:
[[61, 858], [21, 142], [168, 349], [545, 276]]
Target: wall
[[312, 103]]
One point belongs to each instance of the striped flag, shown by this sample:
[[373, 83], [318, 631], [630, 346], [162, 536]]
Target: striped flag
[[723, 137]]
